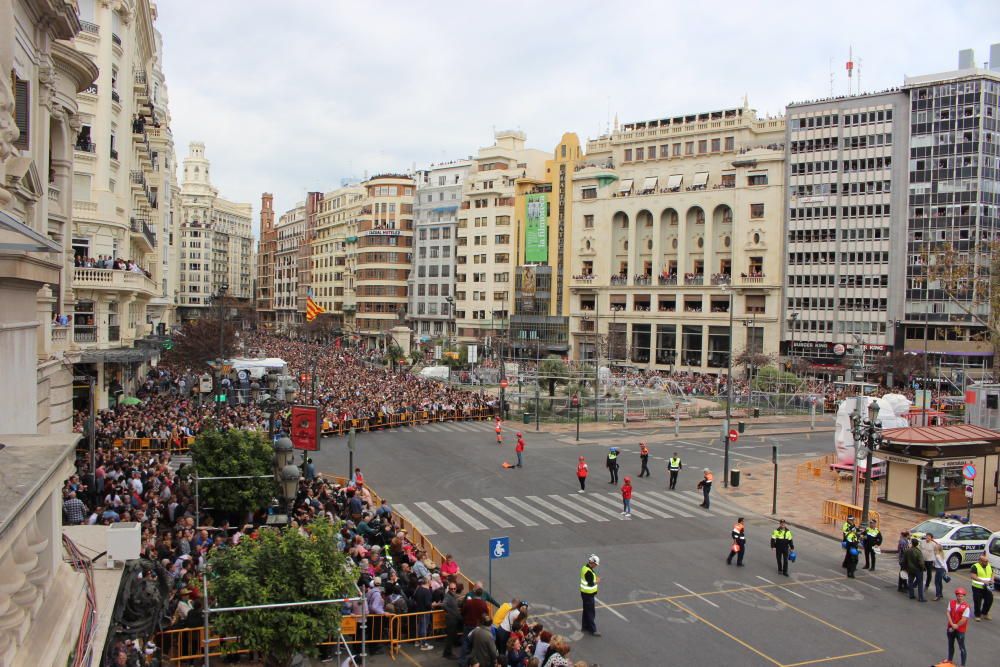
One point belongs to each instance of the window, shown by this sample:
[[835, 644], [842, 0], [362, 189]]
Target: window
[[22, 115], [652, 152], [688, 148], [759, 178], [639, 154], [628, 155], [590, 193], [677, 150], [756, 211], [703, 146], [730, 143], [588, 222], [716, 145]]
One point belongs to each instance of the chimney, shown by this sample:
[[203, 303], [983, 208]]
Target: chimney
[[966, 59], [995, 57]]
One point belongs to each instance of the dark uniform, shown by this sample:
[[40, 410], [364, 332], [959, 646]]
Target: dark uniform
[[674, 467], [588, 593], [851, 560], [873, 538], [739, 547], [644, 459], [613, 465], [781, 542]]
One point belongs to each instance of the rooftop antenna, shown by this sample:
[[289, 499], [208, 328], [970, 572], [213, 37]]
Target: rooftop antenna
[[849, 66]]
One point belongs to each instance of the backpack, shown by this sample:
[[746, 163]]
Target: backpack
[[501, 613]]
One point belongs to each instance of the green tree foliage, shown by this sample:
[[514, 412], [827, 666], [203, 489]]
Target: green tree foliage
[[771, 379], [231, 453], [552, 371], [281, 566], [197, 343]]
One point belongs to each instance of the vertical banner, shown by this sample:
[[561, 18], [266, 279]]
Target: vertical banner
[[536, 232], [473, 355], [305, 427]]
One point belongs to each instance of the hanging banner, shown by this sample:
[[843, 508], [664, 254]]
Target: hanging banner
[[536, 232], [305, 429]]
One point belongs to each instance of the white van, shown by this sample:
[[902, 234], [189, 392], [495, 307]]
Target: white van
[[993, 549]]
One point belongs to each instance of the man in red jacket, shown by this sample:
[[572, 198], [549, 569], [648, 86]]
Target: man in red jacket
[[958, 622], [519, 448]]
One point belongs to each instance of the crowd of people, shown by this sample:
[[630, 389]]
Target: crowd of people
[[109, 262]]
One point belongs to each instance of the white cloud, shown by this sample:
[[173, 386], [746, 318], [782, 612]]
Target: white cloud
[[291, 96]]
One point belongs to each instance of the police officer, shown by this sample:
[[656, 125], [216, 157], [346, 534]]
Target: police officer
[[848, 526], [739, 546], [851, 545], [588, 593], [673, 467], [781, 542], [982, 581], [612, 463], [644, 459], [706, 487], [872, 538]]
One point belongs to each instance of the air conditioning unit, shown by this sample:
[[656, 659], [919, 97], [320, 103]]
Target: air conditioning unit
[[124, 540]]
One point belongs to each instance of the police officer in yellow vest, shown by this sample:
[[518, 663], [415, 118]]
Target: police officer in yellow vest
[[674, 466], [848, 527], [588, 592], [612, 464], [982, 584], [781, 542]]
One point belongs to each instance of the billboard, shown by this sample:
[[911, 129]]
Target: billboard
[[536, 234], [306, 427]]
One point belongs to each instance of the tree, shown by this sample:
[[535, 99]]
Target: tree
[[197, 343], [773, 380], [231, 453], [968, 274], [394, 355], [750, 360], [901, 365], [552, 371], [281, 566]]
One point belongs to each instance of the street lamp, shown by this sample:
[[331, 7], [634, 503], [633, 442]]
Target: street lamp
[[792, 319], [576, 404], [220, 297], [867, 438], [729, 393], [750, 324], [286, 474]]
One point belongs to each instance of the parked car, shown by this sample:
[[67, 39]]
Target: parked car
[[994, 553], [962, 542]]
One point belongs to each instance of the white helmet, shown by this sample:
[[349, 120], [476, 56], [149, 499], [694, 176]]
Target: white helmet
[[594, 559]]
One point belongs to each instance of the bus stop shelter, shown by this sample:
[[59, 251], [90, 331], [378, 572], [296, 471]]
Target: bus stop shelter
[[924, 461]]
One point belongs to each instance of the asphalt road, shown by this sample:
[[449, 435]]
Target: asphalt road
[[666, 595]]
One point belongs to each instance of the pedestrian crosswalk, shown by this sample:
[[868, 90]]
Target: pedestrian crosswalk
[[449, 427], [595, 506]]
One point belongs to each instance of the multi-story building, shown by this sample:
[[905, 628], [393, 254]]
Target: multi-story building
[[487, 235], [122, 200], [304, 259], [334, 245], [953, 210], [384, 253], [845, 161], [674, 220], [266, 249], [216, 240], [432, 279], [290, 233]]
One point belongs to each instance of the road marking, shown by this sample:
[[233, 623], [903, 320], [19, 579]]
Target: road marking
[[555, 510], [863, 583], [651, 510], [463, 515], [509, 512], [726, 634], [663, 500], [826, 623], [781, 587], [613, 611], [417, 522], [528, 508], [486, 513], [697, 595], [438, 517], [576, 507], [715, 502], [616, 501], [597, 505]]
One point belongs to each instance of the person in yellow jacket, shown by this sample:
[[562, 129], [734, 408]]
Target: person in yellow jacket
[[588, 593], [982, 584], [781, 542]]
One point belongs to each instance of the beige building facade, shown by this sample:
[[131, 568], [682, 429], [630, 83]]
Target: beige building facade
[[673, 220], [334, 253], [290, 235]]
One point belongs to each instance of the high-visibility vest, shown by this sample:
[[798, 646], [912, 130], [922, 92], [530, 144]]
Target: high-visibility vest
[[983, 573], [675, 464], [584, 586], [581, 470], [612, 456], [956, 613]]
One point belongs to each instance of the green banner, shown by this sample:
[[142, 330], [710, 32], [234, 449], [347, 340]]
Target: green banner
[[536, 233]]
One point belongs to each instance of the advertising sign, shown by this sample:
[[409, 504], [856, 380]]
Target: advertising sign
[[536, 234], [305, 427]]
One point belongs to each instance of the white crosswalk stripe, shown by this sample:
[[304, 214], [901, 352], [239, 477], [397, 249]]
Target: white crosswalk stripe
[[414, 519], [661, 500], [502, 523], [463, 515], [598, 504], [719, 506], [615, 500], [642, 509], [564, 514], [528, 508], [500, 506], [438, 518], [575, 506]]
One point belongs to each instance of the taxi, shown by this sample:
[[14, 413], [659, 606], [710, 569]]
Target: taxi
[[962, 542]]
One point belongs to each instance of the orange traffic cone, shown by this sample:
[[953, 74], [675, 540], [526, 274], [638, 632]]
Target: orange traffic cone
[[507, 465]]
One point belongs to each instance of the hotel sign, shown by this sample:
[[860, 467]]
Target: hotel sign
[[382, 232]]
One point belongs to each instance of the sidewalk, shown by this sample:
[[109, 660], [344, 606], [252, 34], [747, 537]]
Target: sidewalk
[[822, 422], [800, 501]]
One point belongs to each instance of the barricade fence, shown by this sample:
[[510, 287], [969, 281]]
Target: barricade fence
[[835, 511]]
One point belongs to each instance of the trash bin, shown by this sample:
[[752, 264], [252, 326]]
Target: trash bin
[[936, 502], [756, 413], [734, 477], [528, 417]]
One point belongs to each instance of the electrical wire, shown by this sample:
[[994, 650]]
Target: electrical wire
[[84, 652]]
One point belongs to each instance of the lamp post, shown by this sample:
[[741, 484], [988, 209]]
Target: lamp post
[[750, 325], [286, 474], [220, 297], [792, 319], [576, 404], [868, 434], [729, 393]]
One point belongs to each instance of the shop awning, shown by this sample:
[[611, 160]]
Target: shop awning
[[649, 185], [117, 356], [961, 434], [625, 186], [700, 179], [674, 183]]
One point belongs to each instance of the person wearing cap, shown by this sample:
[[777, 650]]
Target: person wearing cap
[[781, 542], [674, 467], [519, 448], [872, 540], [581, 473], [644, 459], [706, 487], [848, 525], [627, 498], [612, 464], [588, 592], [739, 546], [958, 622]]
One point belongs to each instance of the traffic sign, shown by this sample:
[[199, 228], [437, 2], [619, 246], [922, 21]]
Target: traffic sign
[[499, 547], [969, 471], [503, 383], [968, 491], [734, 435]]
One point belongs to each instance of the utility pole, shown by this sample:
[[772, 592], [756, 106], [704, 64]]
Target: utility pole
[[729, 395], [220, 297]]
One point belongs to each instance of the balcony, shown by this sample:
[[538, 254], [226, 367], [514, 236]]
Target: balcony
[[110, 279], [92, 28], [752, 279], [114, 154], [694, 279], [115, 97], [85, 146], [721, 279], [85, 334], [116, 40], [142, 231], [643, 281], [667, 280]]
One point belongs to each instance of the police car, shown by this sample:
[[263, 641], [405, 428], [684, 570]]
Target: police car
[[962, 542], [994, 552]]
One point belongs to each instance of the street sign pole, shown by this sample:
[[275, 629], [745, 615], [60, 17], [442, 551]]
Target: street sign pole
[[499, 548], [352, 438], [774, 492]]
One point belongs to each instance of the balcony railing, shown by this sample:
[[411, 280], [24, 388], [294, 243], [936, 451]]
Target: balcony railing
[[116, 39], [619, 280], [85, 334], [643, 280], [721, 279], [92, 28], [142, 227], [115, 97], [112, 279], [753, 279], [140, 77], [667, 280], [85, 146], [60, 334], [114, 154], [697, 279]]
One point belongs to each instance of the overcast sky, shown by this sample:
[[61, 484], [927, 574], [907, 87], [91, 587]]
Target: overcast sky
[[292, 96]]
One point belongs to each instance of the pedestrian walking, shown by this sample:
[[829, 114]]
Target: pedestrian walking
[[781, 542], [674, 467], [982, 587], [519, 449], [644, 458], [581, 474], [851, 545], [940, 571], [706, 487], [913, 561], [873, 540], [612, 464], [627, 498], [958, 623], [901, 546], [927, 548], [739, 546], [588, 593], [499, 430]]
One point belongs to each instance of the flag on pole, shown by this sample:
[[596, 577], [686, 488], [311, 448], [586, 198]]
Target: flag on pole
[[312, 308]]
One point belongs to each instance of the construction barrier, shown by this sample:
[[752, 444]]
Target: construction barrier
[[377, 423], [813, 469], [836, 512], [146, 445]]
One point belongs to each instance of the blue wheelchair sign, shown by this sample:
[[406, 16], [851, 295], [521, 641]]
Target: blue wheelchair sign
[[499, 547]]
